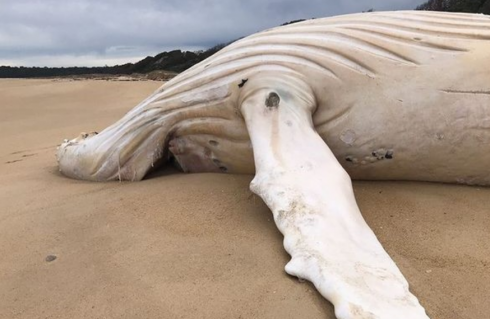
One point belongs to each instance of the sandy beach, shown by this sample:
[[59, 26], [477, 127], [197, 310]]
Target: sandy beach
[[194, 246]]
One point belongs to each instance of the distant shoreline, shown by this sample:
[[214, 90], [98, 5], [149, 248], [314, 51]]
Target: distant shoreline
[[152, 76]]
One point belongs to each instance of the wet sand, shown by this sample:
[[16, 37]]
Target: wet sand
[[194, 246]]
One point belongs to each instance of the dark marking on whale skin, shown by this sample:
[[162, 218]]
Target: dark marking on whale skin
[[213, 143], [379, 154], [389, 154], [243, 83], [272, 100]]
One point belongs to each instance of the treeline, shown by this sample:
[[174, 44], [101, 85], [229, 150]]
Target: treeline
[[468, 6], [175, 61], [31, 72]]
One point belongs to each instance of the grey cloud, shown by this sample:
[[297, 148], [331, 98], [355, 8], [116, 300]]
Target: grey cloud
[[88, 30]]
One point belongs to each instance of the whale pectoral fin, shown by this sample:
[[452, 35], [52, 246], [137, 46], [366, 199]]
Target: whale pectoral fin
[[313, 204]]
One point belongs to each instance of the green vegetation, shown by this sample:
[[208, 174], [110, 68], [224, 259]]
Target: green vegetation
[[175, 61], [469, 6]]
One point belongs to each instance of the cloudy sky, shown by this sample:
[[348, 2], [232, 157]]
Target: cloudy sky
[[109, 32]]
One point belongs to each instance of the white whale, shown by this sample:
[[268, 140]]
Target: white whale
[[386, 95]]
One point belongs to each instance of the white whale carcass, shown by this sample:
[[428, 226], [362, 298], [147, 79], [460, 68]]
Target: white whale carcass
[[386, 95]]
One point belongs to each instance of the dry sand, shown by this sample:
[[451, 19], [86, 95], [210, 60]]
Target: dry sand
[[194, 246]]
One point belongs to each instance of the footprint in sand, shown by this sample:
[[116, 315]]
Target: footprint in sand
[[20, 160]]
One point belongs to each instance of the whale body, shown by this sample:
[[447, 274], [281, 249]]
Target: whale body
[[399, 96], [307, 107]]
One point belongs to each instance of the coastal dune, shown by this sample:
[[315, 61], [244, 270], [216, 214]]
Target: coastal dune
[[198, 245]]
